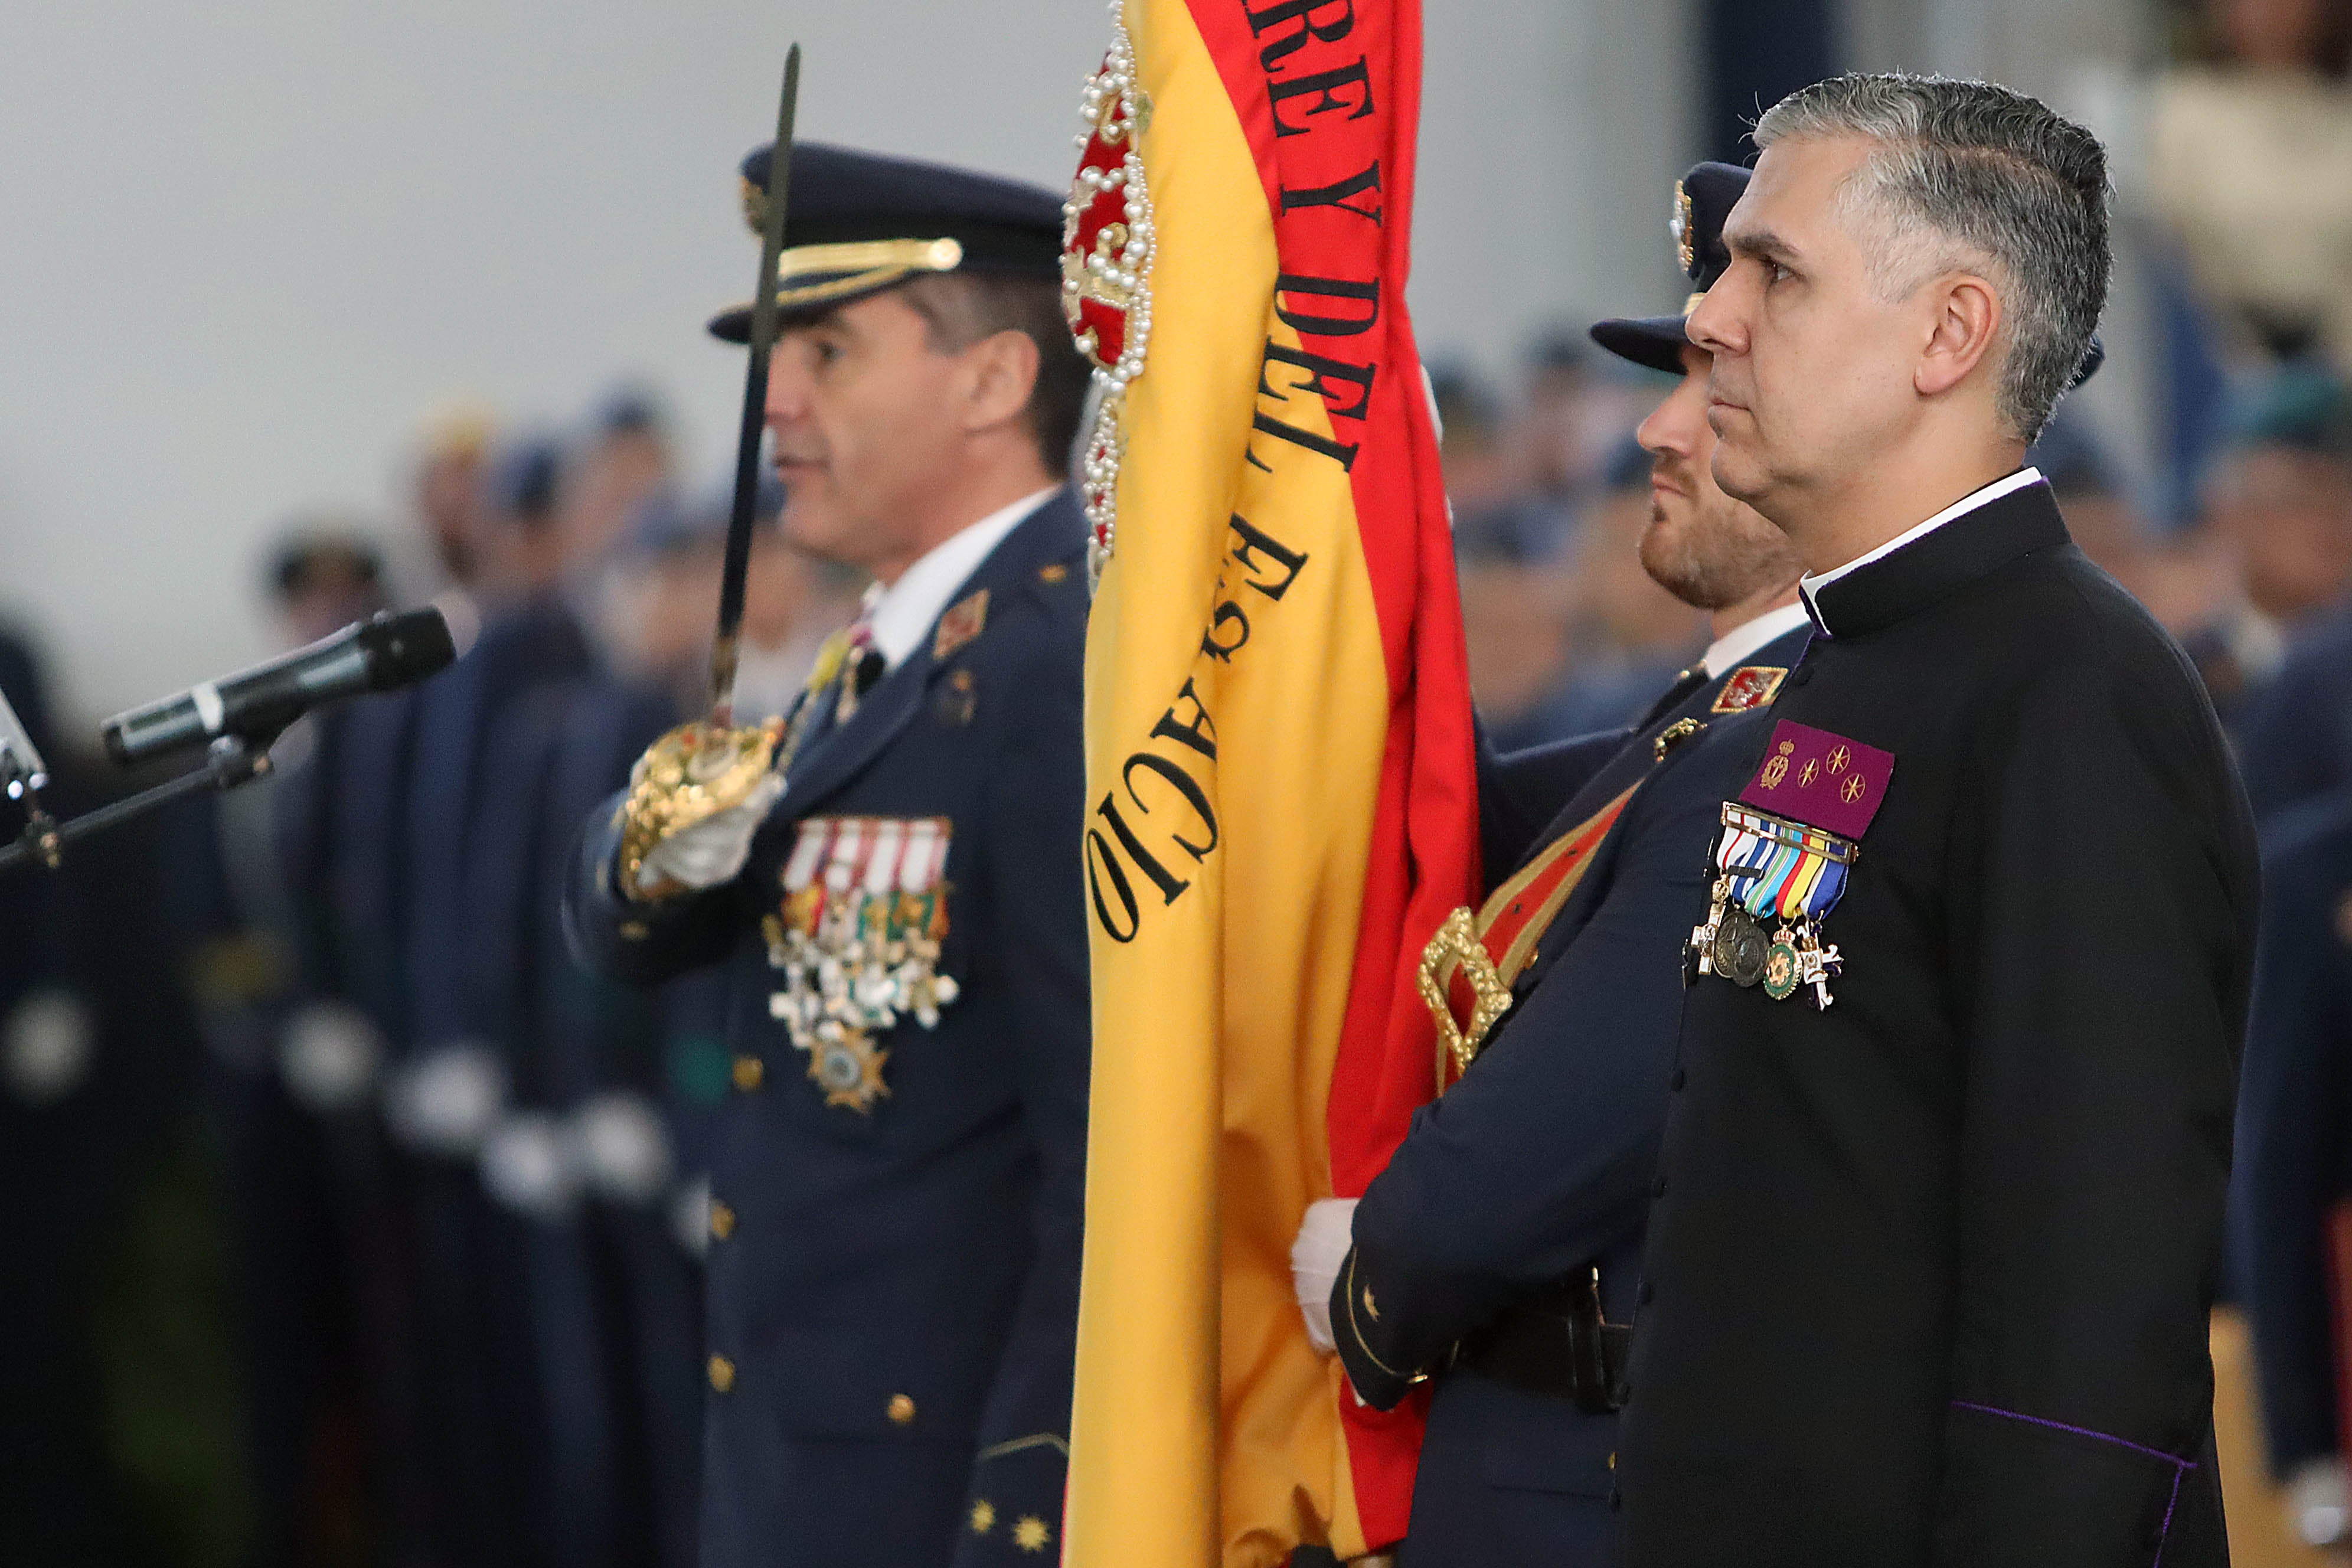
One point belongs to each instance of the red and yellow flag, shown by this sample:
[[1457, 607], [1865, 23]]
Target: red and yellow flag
[[1279, 758]]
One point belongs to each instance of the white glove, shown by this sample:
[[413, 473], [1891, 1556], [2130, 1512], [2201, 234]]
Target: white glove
[[713, 850], [330, 1057], [531, 1163], [47, 1046], [2316, 1501], [690, 1217], [624, 1147], [448, 1102], [1324, 1237]]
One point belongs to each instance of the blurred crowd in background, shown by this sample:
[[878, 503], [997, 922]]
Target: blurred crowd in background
[[349, 1221]]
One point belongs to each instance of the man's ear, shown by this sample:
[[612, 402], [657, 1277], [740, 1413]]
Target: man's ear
[[1967, 317], [1001, 371]]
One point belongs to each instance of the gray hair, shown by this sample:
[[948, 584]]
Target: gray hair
[[1970, 175]]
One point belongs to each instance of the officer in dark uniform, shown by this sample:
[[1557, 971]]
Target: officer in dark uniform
[[299, 1362], [578, 1161], [897, 1185], [483, 1390], [2294, 1176], [1507, 1227], [1936, 1226], [2290, 470]]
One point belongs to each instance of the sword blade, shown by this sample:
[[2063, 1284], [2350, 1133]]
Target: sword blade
[[725, 646]]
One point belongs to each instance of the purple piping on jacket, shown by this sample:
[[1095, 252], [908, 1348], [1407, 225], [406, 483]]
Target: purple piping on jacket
[[2165, 1533], [2180, 1467]]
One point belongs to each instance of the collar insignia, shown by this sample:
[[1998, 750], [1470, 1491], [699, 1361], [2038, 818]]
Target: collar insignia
[[1750, 686], [959, 624]]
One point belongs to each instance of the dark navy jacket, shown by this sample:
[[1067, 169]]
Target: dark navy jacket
[[2294, 1125], [1537, 1163], [2294, 735], [893, 1311]]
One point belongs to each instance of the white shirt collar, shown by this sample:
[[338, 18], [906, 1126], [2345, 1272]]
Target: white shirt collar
[[1727, 652], [902, 615], [1982, 495]]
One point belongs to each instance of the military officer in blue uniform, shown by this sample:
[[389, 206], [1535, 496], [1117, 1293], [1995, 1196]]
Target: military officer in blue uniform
[[1498, 1252], [896, 1180]]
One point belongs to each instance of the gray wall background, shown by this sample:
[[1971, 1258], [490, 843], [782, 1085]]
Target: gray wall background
[[244, 246]]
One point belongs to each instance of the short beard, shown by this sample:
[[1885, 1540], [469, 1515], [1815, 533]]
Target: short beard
[[1727, 556]]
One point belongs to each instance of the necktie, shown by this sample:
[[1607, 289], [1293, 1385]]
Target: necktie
[[863, 664]]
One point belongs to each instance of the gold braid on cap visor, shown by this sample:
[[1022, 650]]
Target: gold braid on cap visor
[[811, 274]]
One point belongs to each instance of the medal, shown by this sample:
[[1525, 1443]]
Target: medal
[[1769, 868], [1781, 966], [1739, 947], [848, 1068], [857, 936]]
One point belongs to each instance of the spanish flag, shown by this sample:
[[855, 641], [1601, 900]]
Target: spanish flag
[[1279, 758]]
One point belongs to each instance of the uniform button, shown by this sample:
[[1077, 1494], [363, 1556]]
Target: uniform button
[[634, 931], [1613, 1460], [901, 1410], [722, 1221], [1644, 1293], [749, 1071], [723, 1374], [1678, 1081], [1658, 1188]]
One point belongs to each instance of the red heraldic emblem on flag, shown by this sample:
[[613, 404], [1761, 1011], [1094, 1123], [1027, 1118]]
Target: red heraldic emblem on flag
[[1281, 779]]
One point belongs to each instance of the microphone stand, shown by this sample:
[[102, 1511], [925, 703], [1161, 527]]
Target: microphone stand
[[233, 760]]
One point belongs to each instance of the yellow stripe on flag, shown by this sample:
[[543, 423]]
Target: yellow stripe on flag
[[1217, 1022]]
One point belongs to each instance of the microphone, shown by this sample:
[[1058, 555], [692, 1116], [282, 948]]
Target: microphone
[[379, 654], [21, 772]]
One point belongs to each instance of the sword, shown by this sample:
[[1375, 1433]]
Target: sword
[[726, 647]]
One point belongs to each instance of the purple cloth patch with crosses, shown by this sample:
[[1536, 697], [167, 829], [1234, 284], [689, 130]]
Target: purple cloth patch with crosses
[[1822, 780]]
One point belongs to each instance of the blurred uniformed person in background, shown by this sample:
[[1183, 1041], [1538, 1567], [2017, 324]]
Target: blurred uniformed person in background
[[897, 1188], [450, 1079], [1498, 1249], [2284, 494], [2293, 1179], [295, 1303]]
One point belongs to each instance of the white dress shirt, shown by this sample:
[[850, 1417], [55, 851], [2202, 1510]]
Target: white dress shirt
[[1726, 653], [1983, 495], [902, 615]]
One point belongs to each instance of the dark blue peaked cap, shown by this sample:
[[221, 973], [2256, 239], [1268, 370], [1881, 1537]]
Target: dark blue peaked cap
[[1702, 202], [863, 222]]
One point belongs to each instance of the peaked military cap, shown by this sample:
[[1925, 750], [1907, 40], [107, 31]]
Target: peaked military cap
[[863, 222], [1702, 202], [1703, 199]]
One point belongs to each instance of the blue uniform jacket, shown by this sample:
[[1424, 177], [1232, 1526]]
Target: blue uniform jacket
[[2293, 735], [892, 1309], [2294, 1124], [1537, 1164]]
